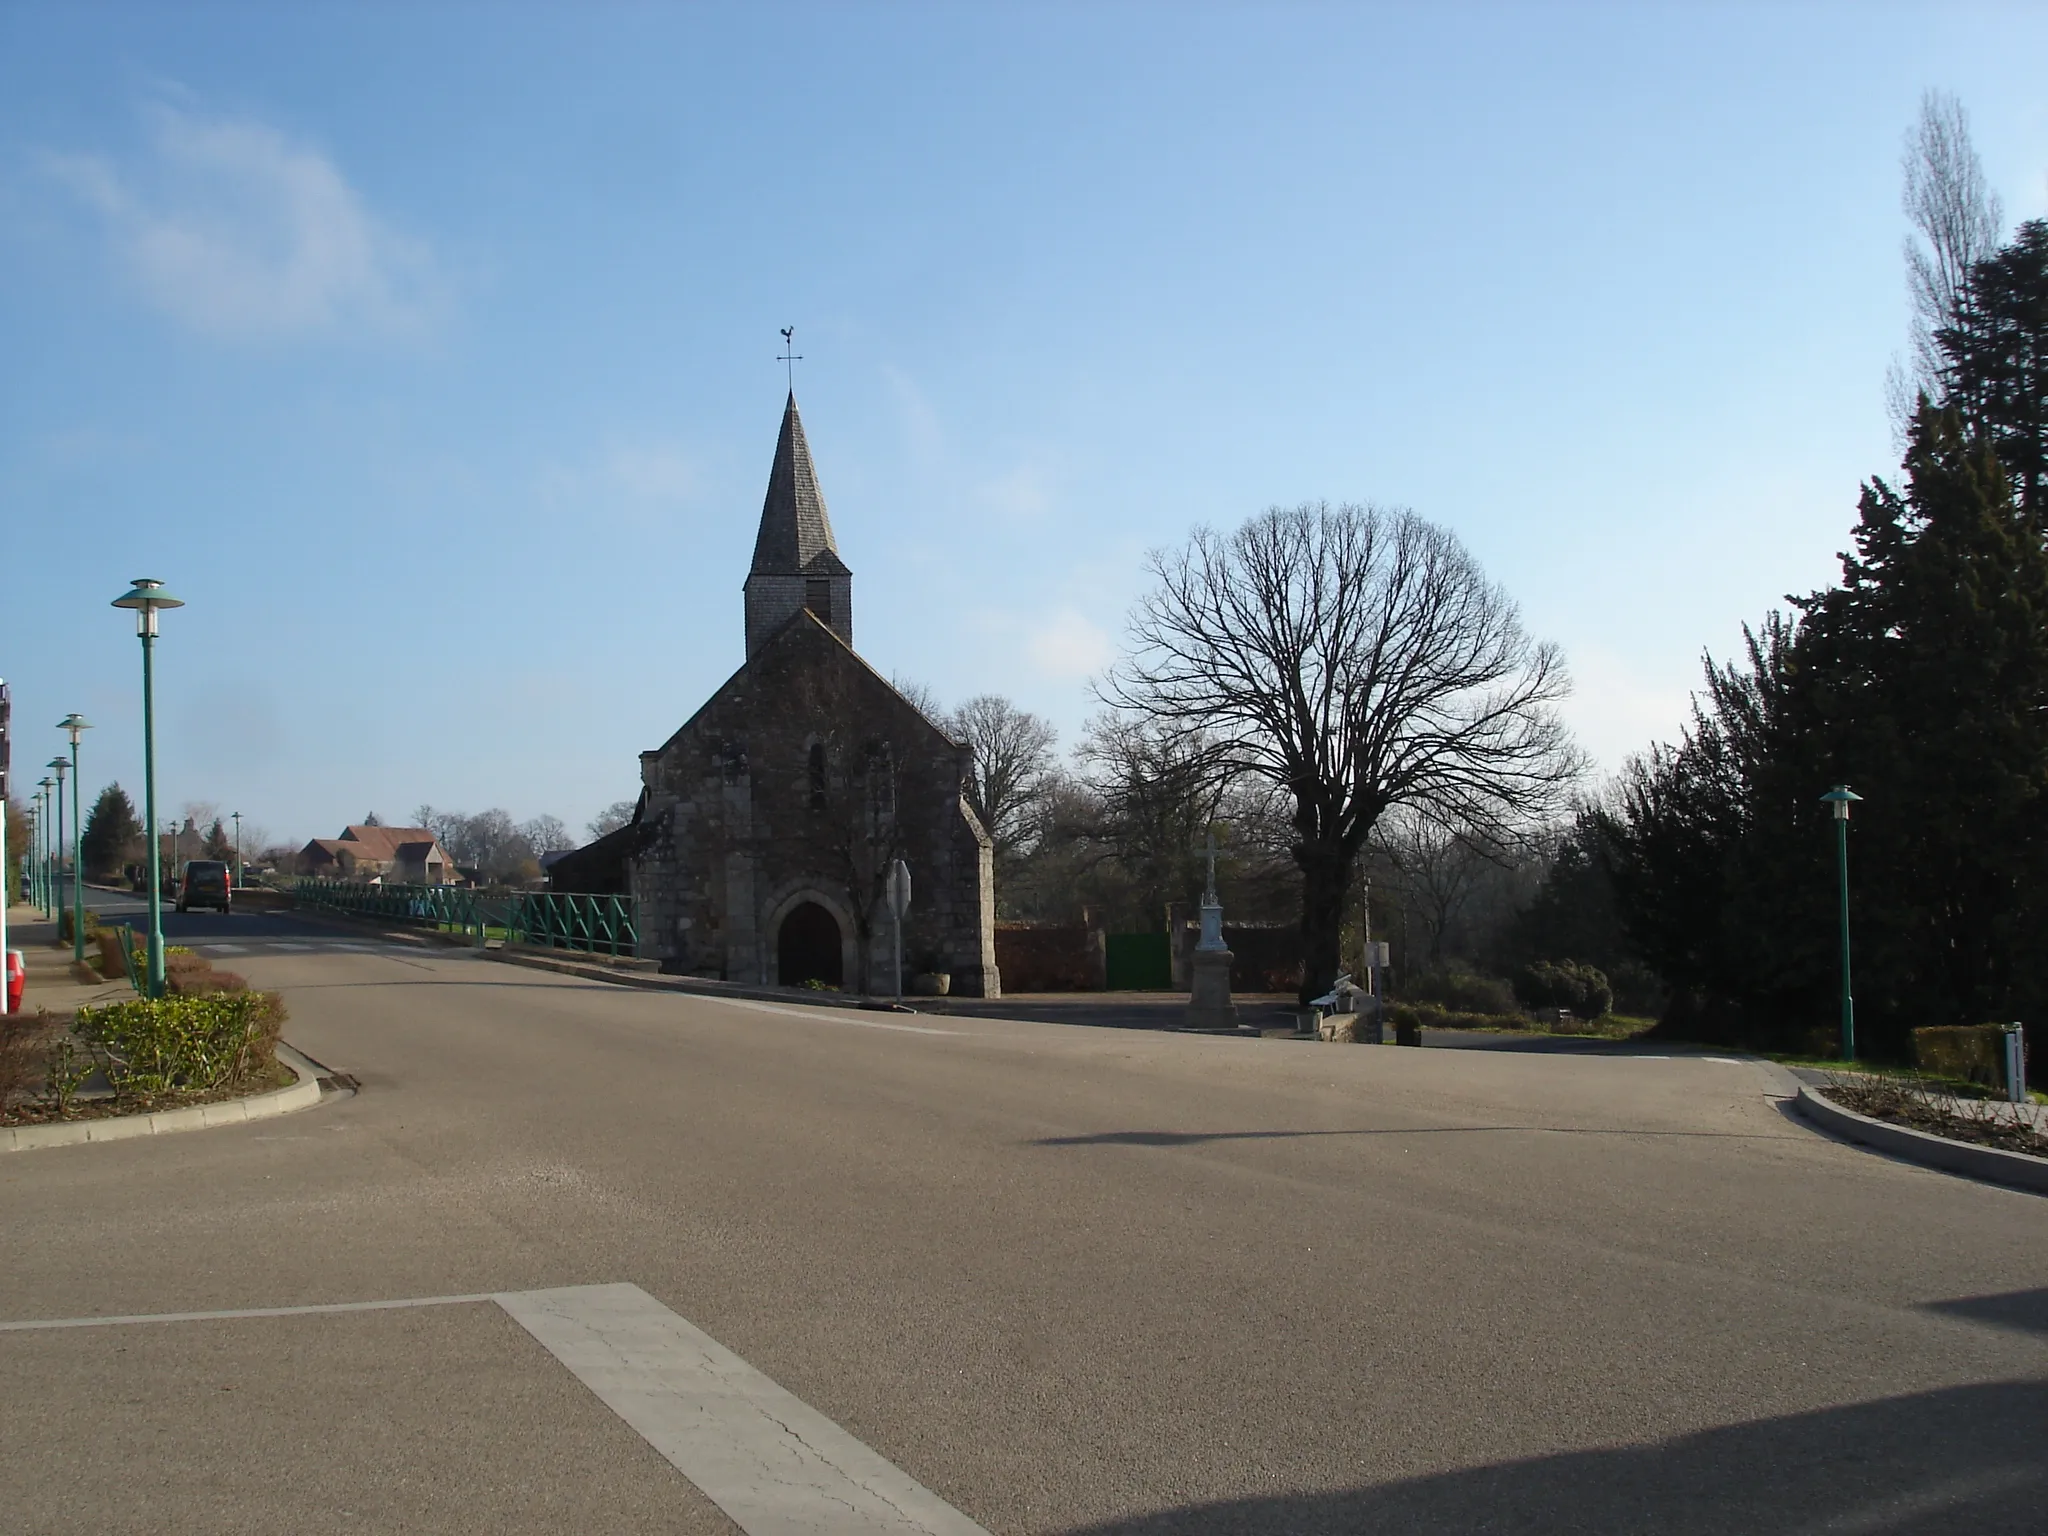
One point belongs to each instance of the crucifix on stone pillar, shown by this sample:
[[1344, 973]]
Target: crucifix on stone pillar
[[1209, 1003]]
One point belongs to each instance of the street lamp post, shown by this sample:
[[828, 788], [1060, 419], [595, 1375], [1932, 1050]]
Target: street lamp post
[[62, 768], [74, 723], [46, 885], [236, 818], [147, 599], [1839, 799]]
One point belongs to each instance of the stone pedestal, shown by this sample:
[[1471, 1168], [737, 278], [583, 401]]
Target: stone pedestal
[[1209, 1004]]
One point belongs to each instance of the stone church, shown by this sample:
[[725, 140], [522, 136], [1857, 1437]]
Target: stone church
[[767, 824]]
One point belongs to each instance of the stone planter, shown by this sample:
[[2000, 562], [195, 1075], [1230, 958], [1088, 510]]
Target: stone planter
[[931, 984]]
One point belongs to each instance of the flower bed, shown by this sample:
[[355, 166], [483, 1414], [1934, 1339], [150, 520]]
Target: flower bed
[[1922, 1106], [210, 1038]]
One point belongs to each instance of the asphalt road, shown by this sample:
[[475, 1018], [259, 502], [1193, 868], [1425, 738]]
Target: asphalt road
[[1068, 1279]]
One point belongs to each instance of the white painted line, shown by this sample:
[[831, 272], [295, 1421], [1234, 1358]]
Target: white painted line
[[826, 1016], [775, 1465], [226, 949], [207, 1317], [290, 949]]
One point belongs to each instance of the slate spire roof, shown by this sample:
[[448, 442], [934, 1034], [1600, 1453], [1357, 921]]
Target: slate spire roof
[[795, 528]]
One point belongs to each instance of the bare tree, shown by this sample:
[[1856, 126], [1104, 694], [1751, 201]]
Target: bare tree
[[1956, 220], [614, 816], [545, 834], [1440, 869], [921, 697], [1013, 755], [1359, 659]]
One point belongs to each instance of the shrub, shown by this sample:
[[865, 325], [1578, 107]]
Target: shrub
[[1433, 1016], [92, 925], [153, 1046], [23, 1043], [1973, 1052], [1461, 992], [1564, 984]]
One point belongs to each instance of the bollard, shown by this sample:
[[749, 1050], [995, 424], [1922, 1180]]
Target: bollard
[[2015, 1064]]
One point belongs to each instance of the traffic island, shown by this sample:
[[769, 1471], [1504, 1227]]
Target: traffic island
[[1995, 1163], [113, 1065]]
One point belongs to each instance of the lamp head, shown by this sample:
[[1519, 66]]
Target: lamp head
[[60, 766], [147, 597], [1839, 799], [74, 723]]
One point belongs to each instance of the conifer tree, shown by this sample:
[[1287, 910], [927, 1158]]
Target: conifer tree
[[1995, 357], [113, 833]]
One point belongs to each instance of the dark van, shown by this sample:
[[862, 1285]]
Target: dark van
[[205, 885]]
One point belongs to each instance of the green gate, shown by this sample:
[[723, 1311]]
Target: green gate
[[1138, 962]]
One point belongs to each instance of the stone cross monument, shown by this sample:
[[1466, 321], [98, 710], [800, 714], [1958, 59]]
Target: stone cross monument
[[1209, 1004]]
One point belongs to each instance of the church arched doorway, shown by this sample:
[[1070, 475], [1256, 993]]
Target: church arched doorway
[[807, 947]]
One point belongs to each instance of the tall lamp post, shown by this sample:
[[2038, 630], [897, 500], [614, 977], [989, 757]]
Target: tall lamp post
[[60, 766], [236, 818], [1839, 799], [46, 885], [147, 599], [74, 723]]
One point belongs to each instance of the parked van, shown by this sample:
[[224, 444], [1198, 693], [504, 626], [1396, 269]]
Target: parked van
[[205, 885]]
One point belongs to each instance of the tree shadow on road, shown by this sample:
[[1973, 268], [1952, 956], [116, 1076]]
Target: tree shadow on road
[[2020, 1311], [1965, 1460], [1196, 1138]]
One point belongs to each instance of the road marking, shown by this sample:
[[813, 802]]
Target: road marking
[[290, 949], [207, 1317], [227, 949], [773, 1463], [829, 1016], [777, 1466]]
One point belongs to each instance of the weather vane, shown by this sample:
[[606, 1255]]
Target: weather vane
[[790, 356]]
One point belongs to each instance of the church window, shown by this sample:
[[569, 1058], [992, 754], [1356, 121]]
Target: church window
[[882, 778], [818, 597], [817, 776]]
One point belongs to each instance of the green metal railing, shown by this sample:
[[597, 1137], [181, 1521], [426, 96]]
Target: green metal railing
[[553, 919]]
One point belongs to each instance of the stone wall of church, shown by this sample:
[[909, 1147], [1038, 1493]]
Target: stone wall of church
[[799, 780]]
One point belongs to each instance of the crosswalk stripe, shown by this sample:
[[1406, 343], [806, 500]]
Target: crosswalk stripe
[[774, 1464]]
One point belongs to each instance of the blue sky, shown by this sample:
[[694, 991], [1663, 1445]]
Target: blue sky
[[428, 351]]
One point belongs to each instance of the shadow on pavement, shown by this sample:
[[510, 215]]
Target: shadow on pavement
[[1196, 1138], [2024, 1311], [1965, 1460]]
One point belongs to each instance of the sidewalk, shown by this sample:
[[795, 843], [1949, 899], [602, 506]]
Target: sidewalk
[[50, 984]]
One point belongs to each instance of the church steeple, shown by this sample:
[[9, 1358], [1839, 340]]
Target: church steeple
[[796, 561]]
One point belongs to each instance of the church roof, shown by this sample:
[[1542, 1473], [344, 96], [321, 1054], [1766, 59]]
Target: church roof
[[795, 528]]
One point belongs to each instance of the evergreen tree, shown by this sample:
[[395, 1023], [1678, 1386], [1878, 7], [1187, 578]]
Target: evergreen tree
[[1921, 680], [113, 833], [1995, 358], [218, 844]]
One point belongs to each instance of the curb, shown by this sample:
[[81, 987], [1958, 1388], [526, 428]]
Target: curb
[[691, 986], [302, 1094], [2017, 1170], [621, 975]]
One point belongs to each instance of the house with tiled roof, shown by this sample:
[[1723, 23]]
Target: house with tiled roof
[[400, 855]]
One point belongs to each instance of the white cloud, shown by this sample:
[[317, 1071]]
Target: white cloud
[[1069, 645], [1022, 495], [239, 233], [636, 480]]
